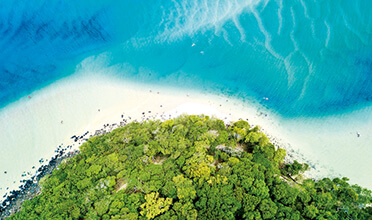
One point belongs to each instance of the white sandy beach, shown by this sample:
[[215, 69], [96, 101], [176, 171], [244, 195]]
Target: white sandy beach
[[32, 128]]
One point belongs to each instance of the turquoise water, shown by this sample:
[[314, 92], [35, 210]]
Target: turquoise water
[[310, 58]]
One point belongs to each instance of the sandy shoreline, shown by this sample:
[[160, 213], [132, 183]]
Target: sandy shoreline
[[32, 128]]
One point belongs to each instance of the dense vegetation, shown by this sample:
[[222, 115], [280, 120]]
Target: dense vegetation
[[190, 167]]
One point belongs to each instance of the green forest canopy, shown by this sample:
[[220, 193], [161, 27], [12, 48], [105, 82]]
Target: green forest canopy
[[190, 167]]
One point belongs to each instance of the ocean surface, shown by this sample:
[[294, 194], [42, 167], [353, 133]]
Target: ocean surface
[[310, 58], [301, 59]]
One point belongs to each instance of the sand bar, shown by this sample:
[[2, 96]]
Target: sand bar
[[32, 128]]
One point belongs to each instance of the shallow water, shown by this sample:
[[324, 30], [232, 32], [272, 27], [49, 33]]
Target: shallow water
[[312, 60], [309, 57]]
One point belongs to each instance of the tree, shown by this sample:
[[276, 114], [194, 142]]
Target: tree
[[185, 189], [310, 211], [155, 205], [268, 209]]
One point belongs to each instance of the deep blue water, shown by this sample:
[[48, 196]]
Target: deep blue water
[[309, 57]]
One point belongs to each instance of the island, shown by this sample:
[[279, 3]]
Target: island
[[189, 167]]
